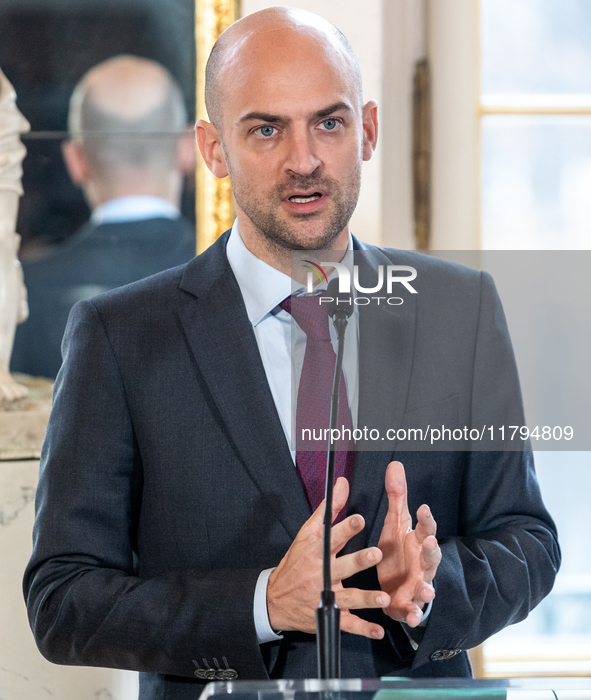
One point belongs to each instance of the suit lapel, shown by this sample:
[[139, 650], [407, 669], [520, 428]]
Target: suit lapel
[[386, 343], [229, 366]]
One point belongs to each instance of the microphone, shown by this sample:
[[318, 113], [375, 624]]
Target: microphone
[[328, 615], [342, 302]]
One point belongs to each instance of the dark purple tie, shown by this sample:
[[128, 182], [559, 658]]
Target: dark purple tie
[[314, 398]]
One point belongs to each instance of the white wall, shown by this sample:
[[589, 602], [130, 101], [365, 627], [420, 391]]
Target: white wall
[[403, 45], [452, 33], [24, 673]]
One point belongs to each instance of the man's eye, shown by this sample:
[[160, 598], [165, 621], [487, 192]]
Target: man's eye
[[330, 124], [266, 131]]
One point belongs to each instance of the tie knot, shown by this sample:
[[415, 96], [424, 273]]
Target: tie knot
[[286, 304], [309, 314]]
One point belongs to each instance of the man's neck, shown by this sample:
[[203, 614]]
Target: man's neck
[[134, 208], [129, 183], [277, 256]]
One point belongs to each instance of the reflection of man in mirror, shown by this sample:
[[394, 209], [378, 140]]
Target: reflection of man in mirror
[[13, 298], [125, 119]]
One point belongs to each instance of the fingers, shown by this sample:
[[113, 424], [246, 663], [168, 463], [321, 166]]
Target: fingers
[[426, 525], [415, 611], [424, 595], [414, 616], [340, 494], [430, 557], [411, 609], [397, 492], [358, 599], [348, 565], [355, 625], [344, 531], [339, 499]]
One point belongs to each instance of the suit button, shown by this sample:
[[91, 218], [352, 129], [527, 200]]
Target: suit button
[[227, 674], [444, 654]]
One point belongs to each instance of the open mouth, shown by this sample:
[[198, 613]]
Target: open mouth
[[304, 199]]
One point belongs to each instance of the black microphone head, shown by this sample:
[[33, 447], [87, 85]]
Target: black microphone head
[[342, 301]]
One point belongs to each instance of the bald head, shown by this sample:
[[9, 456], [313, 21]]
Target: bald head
[[271, 35], [116, 103]]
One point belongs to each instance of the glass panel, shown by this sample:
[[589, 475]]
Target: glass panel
[[536, 46], [401, 688], [536, 182], [556, 637]]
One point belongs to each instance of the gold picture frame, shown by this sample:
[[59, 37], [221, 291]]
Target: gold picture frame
[[421, 154], [213, 197]]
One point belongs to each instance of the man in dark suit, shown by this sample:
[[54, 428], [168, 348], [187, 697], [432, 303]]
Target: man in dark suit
[[132, 177], [174, 532]]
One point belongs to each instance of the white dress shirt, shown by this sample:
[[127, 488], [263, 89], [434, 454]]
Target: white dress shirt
[[137, 207], [281, 342], [263, 288]]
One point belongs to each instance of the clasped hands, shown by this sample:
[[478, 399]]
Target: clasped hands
[[406, 562]]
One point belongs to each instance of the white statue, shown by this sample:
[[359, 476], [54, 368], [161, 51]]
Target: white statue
[[13, 295]]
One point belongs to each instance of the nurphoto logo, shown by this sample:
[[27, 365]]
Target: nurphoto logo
[[391, 276]]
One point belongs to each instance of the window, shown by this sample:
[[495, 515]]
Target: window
[[535, 107], [534, 112]]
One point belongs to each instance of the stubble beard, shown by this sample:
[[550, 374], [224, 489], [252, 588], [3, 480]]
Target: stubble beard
[[280, 236]]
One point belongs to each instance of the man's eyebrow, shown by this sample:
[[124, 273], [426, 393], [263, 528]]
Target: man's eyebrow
[[274, 118], [338, 106], [262, 117]]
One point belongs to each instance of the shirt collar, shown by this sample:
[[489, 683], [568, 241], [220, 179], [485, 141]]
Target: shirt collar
[[134, 208], [262, 286]]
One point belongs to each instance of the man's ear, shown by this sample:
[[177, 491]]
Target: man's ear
[[370, 128], [76, 163], [210, 145], [187, 153]]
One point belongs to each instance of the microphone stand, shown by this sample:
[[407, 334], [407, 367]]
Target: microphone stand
[[328, 615]]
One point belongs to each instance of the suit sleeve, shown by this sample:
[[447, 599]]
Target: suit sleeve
[[504, 560], [86, 603]]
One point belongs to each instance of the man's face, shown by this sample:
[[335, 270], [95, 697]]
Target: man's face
[[293, 139]]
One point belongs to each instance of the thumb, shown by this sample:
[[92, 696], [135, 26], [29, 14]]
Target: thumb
[[339, 496], [397, 492]]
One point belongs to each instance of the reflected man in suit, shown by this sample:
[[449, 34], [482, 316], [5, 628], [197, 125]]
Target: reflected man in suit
[[175, 532], [124, 154]]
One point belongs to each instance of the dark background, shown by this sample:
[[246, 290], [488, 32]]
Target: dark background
[[46, 46]]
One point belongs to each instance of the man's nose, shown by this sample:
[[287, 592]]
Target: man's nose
[[301, 155]]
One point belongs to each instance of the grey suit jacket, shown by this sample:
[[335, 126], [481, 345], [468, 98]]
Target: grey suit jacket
[[167, 484]]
